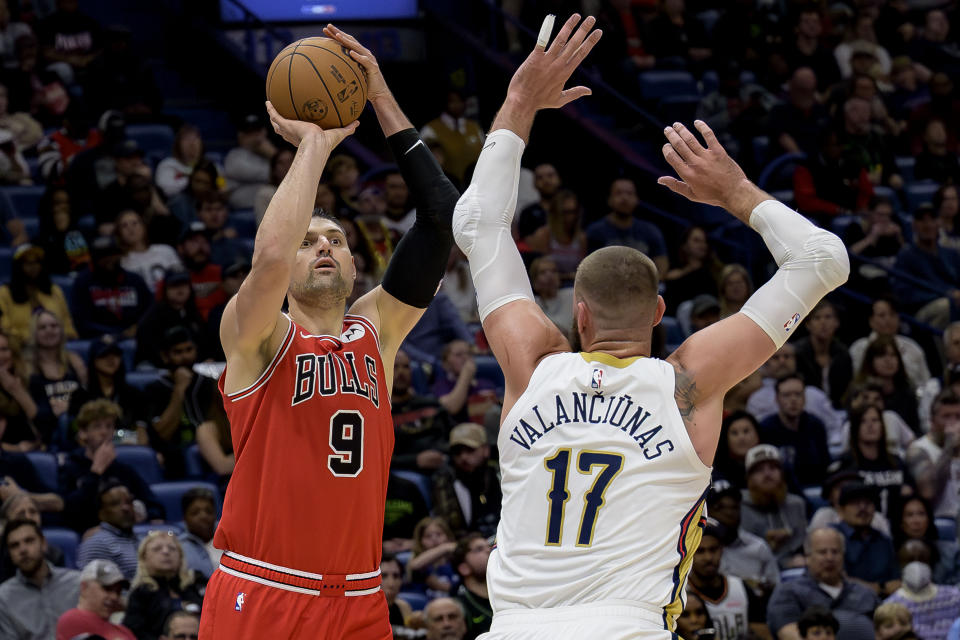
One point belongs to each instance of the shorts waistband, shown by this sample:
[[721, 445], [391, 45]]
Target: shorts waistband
[[605, 609], [314, 584]]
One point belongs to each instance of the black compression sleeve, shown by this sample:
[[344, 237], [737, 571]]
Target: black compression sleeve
[[420, 259]]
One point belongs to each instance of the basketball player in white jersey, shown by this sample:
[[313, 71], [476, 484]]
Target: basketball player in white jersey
[[606, 452]]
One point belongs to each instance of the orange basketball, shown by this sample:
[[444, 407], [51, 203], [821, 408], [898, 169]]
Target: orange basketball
[[316, 80]]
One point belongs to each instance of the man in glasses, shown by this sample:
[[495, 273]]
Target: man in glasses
[[181, 625], [101, 595]]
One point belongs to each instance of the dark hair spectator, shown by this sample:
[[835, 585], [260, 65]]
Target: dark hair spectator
[[64, 245], [173, 172], [30, 288]]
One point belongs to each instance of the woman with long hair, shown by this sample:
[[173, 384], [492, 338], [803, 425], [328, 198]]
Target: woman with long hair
[[279, 165], [16, 406], [216, 446], [568, 241], [205, 178], [913, 519], [734, 287], [883, 363], [59, 236], [695, 270], [140, 256], [173, 172], [30, 288], [56, 374], [739, 433], [163, 584]]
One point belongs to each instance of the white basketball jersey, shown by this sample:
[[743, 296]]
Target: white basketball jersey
[[603, 492], [730, 612]]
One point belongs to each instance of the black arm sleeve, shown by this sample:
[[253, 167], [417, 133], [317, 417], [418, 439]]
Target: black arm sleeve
[[420, 259]]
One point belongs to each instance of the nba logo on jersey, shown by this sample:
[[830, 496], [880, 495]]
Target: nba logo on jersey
[[240, 598], [789, 324], [597, 381]]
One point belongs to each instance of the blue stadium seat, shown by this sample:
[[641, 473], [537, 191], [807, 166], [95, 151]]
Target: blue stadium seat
[[422, 482], [778, 174], [889, 194], [170, 493], [244, 221], [152, 137], [128, 348], [143, 460], [87, 225], [784, 195], [67, 540], [655, 85], [709, 82], [420, 377], [488, 369], [141, 530], [674, 333], [905, 166], [761, 145], [789, 575], [80, 347], [45, 464], [814, 495], [839, 224], [919, 193], [196, 466], [946, 528], [708, 19], [417, 601], [23, 201], [142, 379], [66, 284], [31, 226]]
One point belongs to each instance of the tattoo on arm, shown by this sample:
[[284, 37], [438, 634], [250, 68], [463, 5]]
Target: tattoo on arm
[[685, 393]]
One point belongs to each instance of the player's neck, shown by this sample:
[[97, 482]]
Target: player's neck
[[618, 343], [318, 321]]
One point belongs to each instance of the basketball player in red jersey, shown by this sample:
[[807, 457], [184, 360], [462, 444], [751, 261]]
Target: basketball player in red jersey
[[308, 397]]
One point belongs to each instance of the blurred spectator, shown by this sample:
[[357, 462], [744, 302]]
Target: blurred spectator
[[826, 184], [109, 299], [734, 109], [391, 573], [373, 230], [445, 620], [457, 285], [861, 36], [20, 505], [216, 447], [82, 155], [113, 539], [908, 91], [704, 311], [344, 184], [869, 556], [823, 585], [30, 289], [914, 520], [33, 600], [822, 360], [885, 321], [149, 261], [935, 49], [470, 561], [71, 37], [796, 123], [399, 215], [864, 149], [800, 437], [26, 131], [734, 286], [163, 584], [17, 408], [181, 625], [56, 374], [695, 270], [206, 277], [225, 247], [818, 623], [947, 204], [204, 179], [763, 401], [180, 401], [829, 515], [532, 221], [809, 51], [568, 242], [877, 235], [674, 35], [734, 609], [10, 30], [107, 380], [439, 325], [420, 423], [621, 228], [461, 138], [433, 544], [64, 245], [739, 433], [175, 308], [200, 521], [466, 493], [623, 52], [943, 106], [893, 621], [694, 621], [233, 277], [736, 398], [934, 459], [935, 162], [101, 596], [933, 606], [247, 166], [173, 172], [936, 266], [120, 78], [768, 510], [457, 388], [85, 471], [404, 509], [115, 197], [745, 555], [883, 364], [13, 166], [279, 166], [556, 303], [36, 87]]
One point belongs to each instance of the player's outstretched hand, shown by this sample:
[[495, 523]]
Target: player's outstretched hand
[[539, 81], [707, 174], [376, 85], [293, 131]]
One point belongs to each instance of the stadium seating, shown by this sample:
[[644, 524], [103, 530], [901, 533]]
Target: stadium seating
[[6, 263], [417, 601], [170, 493], [45, 464], [142, 379], [80, 347], [488, 369], [778, 174], [143, 460], [152, 137], [128, 348], [141, 530], [946, 528], [920, 193], [196, 466], [66, 285], [244, 221], [656, 85], [422, 482], [67, 540], [22, 201]]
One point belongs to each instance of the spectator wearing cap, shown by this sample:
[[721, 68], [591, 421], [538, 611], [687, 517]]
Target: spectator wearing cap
[[225, 247], [149, 261], [556, 303], [704, 311], [113, 539], [824, 585], [106, 380], [829, 514], [30, 288], [469, 560], [108, 299], [736, 611], [869, 557], [33, 600], [101, 596], [620, 227], [938, 267], [768, 510], [200, 519], [85, 470], [205, 276], [114, 198], [180, 400], [799, 435], [247, 166], [822, 359], [466, 491], [22, 506], [745, 555], [233, 277], [174, 307]]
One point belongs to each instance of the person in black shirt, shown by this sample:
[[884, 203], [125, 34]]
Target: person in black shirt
[[823, 360], [404, 509], [175, 308], [107, 380], [420, 424], [470, 561]]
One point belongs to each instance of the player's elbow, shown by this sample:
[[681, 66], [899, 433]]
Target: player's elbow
[[466, 220], [829, 255]]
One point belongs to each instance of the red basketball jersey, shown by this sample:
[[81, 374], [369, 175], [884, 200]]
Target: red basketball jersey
[[313, 438]]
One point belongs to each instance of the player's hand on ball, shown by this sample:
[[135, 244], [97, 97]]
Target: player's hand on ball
[[707, 174], [539, 80], [376, 85], [293, 131]]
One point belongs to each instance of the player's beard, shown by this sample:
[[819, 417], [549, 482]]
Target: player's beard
[[325, 290]]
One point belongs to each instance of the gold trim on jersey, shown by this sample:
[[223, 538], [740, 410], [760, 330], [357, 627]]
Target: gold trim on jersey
[[689, 542], [606, 358]]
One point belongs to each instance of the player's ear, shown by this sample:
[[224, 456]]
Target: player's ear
[[661, 309]]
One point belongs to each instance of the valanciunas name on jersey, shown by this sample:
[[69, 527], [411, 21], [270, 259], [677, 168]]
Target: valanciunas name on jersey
[[331, 373], [615, 411]]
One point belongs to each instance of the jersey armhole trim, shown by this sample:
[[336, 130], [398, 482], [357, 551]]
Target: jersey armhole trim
[[366, 322], [268, 372]]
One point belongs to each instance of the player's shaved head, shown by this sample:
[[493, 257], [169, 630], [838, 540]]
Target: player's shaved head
[[619, 285]]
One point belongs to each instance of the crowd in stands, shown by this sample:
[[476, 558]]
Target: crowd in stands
[[837, 479]]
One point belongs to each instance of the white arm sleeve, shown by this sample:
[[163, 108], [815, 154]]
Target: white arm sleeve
[[481, 224], [812, 261]]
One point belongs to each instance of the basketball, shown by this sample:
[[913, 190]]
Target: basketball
[[316, 80]]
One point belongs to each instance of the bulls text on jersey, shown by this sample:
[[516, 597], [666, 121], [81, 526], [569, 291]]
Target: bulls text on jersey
[[327, 374]]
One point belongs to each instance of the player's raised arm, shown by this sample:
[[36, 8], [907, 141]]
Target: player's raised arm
[[250, 321], [420, 258], [520, 335], [812, 262]]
